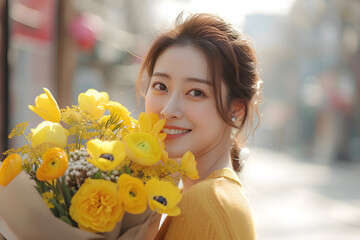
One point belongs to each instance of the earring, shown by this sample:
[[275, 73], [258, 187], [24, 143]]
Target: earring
[[233, 118]]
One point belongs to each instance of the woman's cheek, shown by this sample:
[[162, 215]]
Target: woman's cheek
[[152, 104]]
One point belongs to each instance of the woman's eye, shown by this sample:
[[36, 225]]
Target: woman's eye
[[160, 87], [196, 93]]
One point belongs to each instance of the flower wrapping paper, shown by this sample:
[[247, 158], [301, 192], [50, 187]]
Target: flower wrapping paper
[[24, 215]]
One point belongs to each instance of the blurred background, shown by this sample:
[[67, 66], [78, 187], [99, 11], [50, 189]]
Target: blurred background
[[303, 175]]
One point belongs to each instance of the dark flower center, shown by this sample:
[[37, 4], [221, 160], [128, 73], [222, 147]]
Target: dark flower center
[[107, 156], [160, 199]]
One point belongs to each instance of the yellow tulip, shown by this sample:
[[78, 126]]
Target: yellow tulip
[[132, 193], [49, 132], [46, 107], [142, 148], [188, 165], [163, 196], [96, 206], [105, 155], [10, 168], [91, 102], [55, 163]]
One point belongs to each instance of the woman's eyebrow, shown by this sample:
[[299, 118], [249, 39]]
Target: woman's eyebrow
[[160, 74], [199, 80], [190, 79]]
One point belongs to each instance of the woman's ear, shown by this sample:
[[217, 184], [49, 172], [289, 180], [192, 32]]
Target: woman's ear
[[236, 108]]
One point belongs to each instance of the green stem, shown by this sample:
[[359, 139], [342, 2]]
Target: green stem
[[27, 140], [67, 204]]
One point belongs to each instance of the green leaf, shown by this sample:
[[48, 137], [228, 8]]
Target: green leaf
[[127, 170], [66, 192], [58, 207], [66, 219], [40, 186], [55, 212], [117, 127]]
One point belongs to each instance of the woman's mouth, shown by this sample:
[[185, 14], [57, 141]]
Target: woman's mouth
[[175, 133]]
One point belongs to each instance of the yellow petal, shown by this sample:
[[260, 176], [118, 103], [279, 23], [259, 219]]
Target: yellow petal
[[91, 102], [132, 193], [158, 127], [106, 155], [145, 122], [96, 205], [49, 132], [10, 168], [46, 107], [142, 148], [163, 196], [55, 163], [172, 212], [188, 165]]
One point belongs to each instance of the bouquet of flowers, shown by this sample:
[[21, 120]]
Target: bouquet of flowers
[[91, 170]]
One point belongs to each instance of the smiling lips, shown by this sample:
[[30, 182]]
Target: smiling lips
[[173, 132]]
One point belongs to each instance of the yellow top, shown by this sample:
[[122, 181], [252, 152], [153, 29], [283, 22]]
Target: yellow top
[[212, 209]]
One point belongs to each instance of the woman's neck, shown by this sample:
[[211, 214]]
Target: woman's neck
[[206, 164]]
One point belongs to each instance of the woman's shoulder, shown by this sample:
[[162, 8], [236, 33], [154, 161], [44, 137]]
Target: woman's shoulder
[[219, 203], [220, 191]]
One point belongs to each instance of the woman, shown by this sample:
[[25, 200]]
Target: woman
[[202, 78]]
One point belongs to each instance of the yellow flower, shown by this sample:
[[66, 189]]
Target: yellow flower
[[46, 107], [117, 111], [163, 196], [142, 148], [132, 193], [91, 101], [10, 168], [96, 205], [106, 155], [49, 132], [55, 163], [150, 123], [188, 165], [104, 119]]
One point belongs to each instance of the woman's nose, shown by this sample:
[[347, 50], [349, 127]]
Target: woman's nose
[[172, 108]]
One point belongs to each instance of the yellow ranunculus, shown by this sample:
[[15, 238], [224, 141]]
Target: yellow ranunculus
[[188, 165], [132, 193], [91, 102], [163, 196], [49, 132], [117, 111], [46, 107], [106, 155], [142, 148], [55, 163], [96, 205], [10, 168]]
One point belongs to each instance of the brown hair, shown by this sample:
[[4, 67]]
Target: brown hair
[[231, 59]]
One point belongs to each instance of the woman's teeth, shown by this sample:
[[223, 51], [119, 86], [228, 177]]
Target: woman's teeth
[[174, 131]]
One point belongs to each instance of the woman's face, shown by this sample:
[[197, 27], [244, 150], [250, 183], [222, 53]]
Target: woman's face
[[181, 92]]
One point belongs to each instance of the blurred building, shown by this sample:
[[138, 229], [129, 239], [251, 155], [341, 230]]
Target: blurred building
[[309, 62]]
